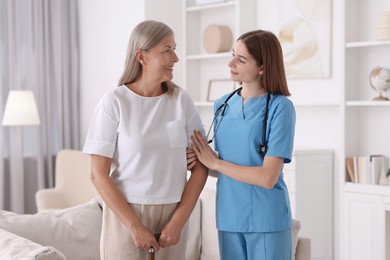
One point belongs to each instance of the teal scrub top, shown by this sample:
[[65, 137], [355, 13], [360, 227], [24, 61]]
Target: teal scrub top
[[243, 207]]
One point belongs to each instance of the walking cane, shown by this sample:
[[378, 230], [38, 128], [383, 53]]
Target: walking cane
[[151, 249], [151, 254]]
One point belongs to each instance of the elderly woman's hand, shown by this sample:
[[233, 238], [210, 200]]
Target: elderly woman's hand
[[191, 159]]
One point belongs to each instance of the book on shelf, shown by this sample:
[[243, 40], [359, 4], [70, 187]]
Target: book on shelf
[[349, 162], [352, 169], [383, 166], [377, 164], [367, 169], [363, 172]]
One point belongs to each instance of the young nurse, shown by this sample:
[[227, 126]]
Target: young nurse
[[137, 139], [254, 138]]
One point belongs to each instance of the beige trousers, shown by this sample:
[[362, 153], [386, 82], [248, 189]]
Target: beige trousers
[[117, 243]]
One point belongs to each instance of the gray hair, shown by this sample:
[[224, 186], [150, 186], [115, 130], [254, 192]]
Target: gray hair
[[145, 36]]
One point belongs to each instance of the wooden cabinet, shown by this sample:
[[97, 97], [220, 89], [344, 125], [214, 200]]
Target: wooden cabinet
[[309, 178]]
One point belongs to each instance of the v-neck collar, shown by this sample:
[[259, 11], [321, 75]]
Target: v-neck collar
[[250, 102]]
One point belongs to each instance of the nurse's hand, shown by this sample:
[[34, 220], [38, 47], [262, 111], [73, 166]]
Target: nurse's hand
[[191, 158], [203, 151]]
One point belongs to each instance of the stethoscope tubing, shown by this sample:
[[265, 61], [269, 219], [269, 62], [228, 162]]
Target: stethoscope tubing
[[222, 109]]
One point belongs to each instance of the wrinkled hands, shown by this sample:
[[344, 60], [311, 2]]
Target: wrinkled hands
[[170, 235], [203, 151], [143, 238]]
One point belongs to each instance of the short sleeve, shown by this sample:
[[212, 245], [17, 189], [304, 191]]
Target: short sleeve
[[193, 121], [103, 129], [282, 128]]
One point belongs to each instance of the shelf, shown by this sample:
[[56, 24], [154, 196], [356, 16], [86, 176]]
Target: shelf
[[366, 44], [364, 128], [209, 56], [204, 104], [318, 104], [199, 65], [367, 103], [209, 6], [367, 189], [296, 104]]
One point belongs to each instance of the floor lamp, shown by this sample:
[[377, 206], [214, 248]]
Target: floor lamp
[[20, 110]]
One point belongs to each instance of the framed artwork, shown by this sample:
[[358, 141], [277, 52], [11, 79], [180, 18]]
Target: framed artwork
[[305, 36], [218, 88]]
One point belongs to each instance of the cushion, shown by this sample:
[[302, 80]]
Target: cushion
[[210, 248], [296, 226], [194, 236], [74, 231], [16, 247]]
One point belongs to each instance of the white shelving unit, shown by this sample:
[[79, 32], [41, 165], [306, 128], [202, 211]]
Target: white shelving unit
[[364, 209], [364, 120], [200, 66]]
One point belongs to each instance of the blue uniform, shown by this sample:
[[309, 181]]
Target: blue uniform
[[246, 208]]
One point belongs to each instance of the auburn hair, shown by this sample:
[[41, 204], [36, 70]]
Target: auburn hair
[[265, 48]]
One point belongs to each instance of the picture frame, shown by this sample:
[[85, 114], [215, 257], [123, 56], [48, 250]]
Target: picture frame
[[219, 87], [314, 20]]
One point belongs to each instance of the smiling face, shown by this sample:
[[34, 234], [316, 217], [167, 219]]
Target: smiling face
[[158, 62], [243, 67]]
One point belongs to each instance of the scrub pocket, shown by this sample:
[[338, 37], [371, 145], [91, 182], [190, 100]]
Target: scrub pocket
[[177, 133]]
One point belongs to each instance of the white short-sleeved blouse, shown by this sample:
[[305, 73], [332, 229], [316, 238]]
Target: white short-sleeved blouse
[[146, 137]]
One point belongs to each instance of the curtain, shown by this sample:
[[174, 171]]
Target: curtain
[[39, 51]]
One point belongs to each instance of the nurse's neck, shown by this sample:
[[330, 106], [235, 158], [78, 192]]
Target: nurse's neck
[[249, 91]]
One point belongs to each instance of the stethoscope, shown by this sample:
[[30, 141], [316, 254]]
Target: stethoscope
[[222, 110]]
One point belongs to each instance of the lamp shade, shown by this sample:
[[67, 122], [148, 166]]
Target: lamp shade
[[20, 109]]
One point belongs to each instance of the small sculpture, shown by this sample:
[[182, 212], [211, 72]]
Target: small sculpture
[[380, 82]]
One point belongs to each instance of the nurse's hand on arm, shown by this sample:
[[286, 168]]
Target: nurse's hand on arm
[[265, 176], [192, 160], [100, 170]]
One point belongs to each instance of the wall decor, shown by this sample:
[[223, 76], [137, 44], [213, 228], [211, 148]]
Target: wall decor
[[218, 88], [379, 79], [383, 27], [217, 38], [305, 36]]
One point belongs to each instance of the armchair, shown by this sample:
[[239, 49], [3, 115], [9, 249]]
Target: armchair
[[72, 182]]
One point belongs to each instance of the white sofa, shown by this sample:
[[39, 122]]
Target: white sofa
[[73, 233], [73, 187]]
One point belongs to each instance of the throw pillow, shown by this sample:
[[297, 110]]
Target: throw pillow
[[210, 248], [16, 247], [74, 231], [296, 226], [193, 246]]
